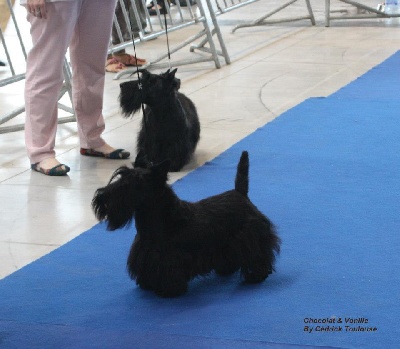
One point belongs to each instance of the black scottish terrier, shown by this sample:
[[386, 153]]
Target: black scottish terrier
[[170, 126], [178, 240]]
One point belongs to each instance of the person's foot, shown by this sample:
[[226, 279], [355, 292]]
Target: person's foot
[[114, 66], [51, 167], [161, 8], [129, 60], [106, 151], [182, 3]]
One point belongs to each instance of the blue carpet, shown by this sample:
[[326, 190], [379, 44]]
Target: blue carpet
[[326, 172], [379, 84]]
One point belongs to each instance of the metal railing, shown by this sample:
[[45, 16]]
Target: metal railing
[[176, 17], [205, 13], [265, 19], [363, 12]]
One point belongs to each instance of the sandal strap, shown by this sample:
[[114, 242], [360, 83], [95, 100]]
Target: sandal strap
[[118, 154], [91, 152], [112, 60]]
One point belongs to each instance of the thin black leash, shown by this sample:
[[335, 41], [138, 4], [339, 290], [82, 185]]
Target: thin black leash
[[166, 34], [140, 85], [168, 49]]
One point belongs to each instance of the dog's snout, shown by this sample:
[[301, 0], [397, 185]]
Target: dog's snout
[[123, 85]]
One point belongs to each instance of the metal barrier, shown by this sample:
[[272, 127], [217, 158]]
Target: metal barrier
[[218, 7], [14, 77], [177, 17], [265, 20], [363, 12]]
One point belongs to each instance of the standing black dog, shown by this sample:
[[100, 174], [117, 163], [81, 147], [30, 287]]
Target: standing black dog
[[170, 126], [178, 240]]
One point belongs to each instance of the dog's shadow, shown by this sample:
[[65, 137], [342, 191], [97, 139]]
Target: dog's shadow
[[214, 289]]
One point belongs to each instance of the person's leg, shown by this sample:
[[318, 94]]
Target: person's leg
[[44, 78], [115, 39], [142, 16], [88, 51], [121, 56], [113, 65]]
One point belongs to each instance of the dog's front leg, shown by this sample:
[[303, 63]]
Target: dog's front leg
[[173, 276]]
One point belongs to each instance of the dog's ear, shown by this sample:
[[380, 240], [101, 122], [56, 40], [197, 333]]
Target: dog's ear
[[171, 74], [142, 161], [145, 73], [175, 82], [161, 170]]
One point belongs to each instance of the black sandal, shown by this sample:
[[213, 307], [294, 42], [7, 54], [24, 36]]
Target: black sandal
[[183, 3], [119, 154], [161, 8], [58, 170]]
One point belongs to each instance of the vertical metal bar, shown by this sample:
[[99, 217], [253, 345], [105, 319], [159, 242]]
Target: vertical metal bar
[[327, 12]]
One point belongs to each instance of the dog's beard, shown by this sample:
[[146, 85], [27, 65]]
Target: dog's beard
[[130, 98], [115, 202], [115, 213]]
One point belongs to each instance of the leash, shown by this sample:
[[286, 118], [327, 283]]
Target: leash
[[168, 48], [140, 85], [166, 34]]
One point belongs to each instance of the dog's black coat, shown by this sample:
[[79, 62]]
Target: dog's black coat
[[178, 240], [170, 126]]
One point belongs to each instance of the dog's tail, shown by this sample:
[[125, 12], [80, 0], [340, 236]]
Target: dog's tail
[[242, 174]]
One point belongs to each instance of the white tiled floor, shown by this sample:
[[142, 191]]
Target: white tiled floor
[[273, 69]]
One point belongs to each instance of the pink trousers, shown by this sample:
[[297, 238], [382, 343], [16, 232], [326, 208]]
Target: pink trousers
[[85, 27]]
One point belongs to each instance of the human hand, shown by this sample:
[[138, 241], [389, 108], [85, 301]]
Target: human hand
[[37, 8]]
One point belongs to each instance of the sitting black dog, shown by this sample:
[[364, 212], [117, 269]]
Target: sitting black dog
[[170, 126], [178, 240]]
